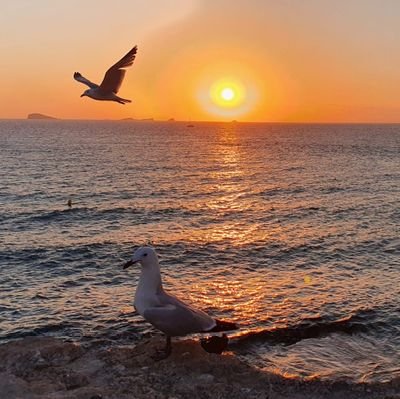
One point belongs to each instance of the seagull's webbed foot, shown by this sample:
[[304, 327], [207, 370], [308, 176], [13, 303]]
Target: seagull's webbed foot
[[215, 344], [162, 354]]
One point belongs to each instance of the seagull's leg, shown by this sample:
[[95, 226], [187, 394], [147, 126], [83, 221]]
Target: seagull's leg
[[164, 353], [168, 346]]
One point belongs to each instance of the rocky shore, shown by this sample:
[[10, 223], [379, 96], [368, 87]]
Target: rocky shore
[[50, 368]]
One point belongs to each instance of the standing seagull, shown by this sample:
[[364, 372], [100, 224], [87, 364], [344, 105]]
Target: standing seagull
[[108, 89], [164, 311]]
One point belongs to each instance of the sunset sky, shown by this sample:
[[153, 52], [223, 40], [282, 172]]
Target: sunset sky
[[253, 60]]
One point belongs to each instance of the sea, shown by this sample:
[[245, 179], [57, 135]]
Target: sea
[[290, 230]]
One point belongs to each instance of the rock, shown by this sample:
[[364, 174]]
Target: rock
[[49, 368], [205, 379], [13, 387], [73, 380]]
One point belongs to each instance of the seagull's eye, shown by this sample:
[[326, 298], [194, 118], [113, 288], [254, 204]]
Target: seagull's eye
[[145, 254]]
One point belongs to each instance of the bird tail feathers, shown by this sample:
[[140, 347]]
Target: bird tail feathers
[[222, 325], [122, 100]]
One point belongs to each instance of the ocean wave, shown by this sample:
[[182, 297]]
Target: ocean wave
[[30, 220], [361, 322], [57, 329]]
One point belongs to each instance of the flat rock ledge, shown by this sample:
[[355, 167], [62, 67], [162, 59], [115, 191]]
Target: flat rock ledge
[[43, 367]]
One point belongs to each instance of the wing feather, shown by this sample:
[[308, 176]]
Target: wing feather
[[175, 320], [87, 82], [115, 75]]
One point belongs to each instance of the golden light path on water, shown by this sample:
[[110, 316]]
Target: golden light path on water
[[240, 293]]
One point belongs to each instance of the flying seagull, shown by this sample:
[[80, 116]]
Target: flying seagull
[[164, 311], [108, 89]]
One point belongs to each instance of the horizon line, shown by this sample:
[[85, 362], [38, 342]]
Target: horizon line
[[171, 120]]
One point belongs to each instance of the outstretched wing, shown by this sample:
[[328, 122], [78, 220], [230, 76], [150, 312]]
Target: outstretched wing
[[80, 78], [115, 75]]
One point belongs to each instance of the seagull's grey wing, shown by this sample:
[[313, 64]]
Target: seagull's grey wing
[[87, 82], [178, 319], [114, 76]]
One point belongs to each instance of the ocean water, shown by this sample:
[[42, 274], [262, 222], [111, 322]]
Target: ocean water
[[290, 230]]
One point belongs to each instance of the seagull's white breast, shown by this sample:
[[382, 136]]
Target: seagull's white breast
[[96, 94], [146, 293], [144, 301]]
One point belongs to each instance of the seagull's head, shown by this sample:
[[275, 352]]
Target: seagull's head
[[146, 256], [85, 93]]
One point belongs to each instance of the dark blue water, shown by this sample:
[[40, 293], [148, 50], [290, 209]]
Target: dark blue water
[[291, 230]]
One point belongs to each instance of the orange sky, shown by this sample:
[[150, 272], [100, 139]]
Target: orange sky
[[304, 61]]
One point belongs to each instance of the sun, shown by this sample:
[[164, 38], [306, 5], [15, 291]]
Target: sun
[[227, 97], [227, 94]]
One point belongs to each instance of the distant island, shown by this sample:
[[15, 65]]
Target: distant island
[[40, 116], [138, 120]]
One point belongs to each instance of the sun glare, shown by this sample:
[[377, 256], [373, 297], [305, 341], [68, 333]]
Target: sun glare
[[227, 94], [228, 97]]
